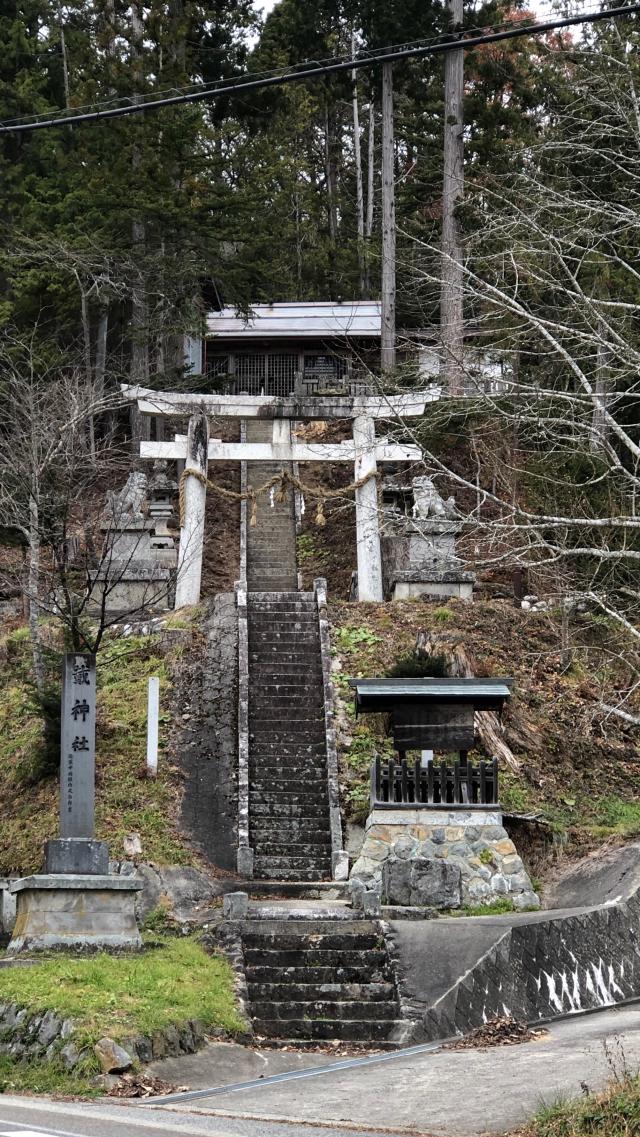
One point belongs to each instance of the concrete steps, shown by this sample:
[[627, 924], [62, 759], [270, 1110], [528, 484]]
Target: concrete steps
[[288, 793], [313, 982]]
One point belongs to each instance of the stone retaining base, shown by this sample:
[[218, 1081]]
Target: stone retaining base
[[79, 912], [474, 842]]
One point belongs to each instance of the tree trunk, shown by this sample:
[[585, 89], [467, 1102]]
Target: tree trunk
[[599, 425], [388, 288], [461, 666], [88, 370], [451, 296], [357, 157], [370, 195], [139, 314], [33, 591], [331, 178]]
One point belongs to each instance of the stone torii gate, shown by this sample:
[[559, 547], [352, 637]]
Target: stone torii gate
[[197, 449]]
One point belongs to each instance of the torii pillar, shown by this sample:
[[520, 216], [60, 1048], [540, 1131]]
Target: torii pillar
[[367, 527], [194, 496]]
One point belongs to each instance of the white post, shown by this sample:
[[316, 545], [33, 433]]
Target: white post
[[367, 532], [153, 718], [192, 531]]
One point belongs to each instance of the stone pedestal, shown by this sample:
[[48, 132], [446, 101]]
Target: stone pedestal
[[80, 856], [473, 840], [79, 912], [419, 544]]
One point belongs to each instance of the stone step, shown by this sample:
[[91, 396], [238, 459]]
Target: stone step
[[313, 852], [275, 688], [290, 839], [303, 733], [290, 768], [325, 1030], [274, 730], [291, 756], [313, 698], [303, 811], [314, 860], [362, 973], [270, 782], [360, 1011], [263, 870], [282, 620], [313, 799], [309, 992], [281, 635], [291, 605], [294, 868], [292, 940], [257, 576], [335, 960], [264, 831]]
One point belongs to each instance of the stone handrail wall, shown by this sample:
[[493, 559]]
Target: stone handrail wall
[[339, 859], [546, 969], [243, 512], [245, 853]]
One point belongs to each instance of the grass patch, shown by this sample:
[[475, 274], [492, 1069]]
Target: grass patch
[[44, 1078], [126, 800], [124, 995], [613, 1113], [499, 907], [614, 816]]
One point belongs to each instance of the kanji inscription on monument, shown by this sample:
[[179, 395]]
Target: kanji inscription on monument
[[78, 745]]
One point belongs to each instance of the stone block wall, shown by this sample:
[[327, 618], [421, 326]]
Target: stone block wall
[[475, 842], [206, 748], [545, 969], [43, 1036]]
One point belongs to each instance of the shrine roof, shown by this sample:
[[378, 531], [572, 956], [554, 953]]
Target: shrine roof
[[304, 320], [385, 694]]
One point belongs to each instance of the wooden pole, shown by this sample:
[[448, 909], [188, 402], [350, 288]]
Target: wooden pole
[[388, 289], [451, 296]]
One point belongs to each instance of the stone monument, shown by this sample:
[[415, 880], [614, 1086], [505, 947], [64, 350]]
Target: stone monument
[[75, 903], [419, 543], [135, 574]]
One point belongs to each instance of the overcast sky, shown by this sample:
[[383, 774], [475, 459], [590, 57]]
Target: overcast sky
[[542, 7]]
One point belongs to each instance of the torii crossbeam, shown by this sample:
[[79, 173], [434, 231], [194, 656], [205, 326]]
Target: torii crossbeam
[[196, 449]]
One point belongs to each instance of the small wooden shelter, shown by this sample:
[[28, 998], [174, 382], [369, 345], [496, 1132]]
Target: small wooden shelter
[[432, 715]]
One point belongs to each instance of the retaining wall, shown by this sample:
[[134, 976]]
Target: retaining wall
[[546, 968]]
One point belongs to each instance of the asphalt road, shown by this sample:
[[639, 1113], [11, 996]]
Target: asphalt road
[[441, 1093], [27, 1117]]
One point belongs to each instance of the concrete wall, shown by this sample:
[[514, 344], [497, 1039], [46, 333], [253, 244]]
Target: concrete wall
[[541, 966], [207, 749]]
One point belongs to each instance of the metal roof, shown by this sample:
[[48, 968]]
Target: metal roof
[[353, 318], [384, 694]]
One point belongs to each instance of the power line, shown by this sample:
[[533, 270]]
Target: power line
[[302, 72]]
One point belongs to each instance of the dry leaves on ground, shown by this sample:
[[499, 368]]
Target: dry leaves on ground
[[497, 1032]]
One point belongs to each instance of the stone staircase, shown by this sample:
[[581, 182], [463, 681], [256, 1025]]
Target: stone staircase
[[271, 542], [288, 793], [313, 981]]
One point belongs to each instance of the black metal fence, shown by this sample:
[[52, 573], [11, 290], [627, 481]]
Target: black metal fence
[[410, 785]]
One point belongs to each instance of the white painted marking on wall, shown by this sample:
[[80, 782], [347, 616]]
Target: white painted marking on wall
[[553, 994]]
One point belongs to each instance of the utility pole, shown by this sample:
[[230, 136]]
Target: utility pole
[[451, 295], [388, 290]]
